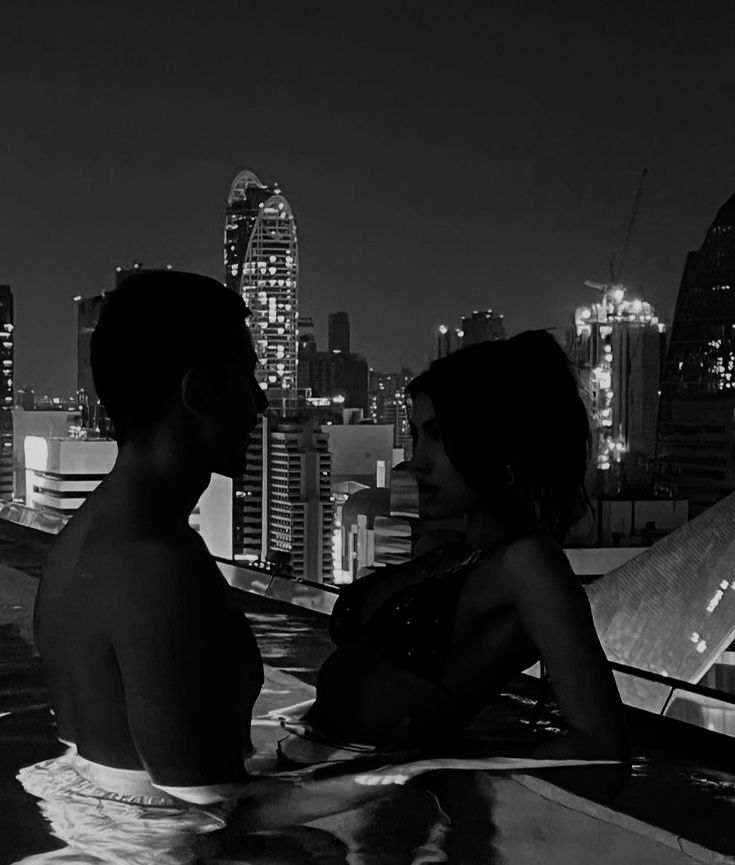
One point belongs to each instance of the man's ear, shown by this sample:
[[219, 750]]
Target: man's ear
[[196, 392]]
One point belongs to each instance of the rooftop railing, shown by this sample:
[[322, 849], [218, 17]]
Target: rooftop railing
[[705, 707]]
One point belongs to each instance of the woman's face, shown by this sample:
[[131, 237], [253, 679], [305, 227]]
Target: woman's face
[[443, 491]]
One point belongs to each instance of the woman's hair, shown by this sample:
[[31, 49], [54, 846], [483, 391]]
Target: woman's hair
[[515, 403], [151, 330]]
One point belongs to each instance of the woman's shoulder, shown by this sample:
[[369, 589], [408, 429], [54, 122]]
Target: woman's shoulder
[[531, 565]]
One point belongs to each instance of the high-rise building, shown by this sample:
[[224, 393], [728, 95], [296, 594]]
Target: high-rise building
[[94, 416], [387, 403], [261, 264], [232, 513], [339, 332], [250, 526], [695, 454], [342, 378], [307, 336], [57, 422], [300, 501], [6, 392], [337, 374], [62, 472], [482, 326], [618, 346]]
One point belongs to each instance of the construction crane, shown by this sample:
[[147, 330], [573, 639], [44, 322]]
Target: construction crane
[[616, 273]]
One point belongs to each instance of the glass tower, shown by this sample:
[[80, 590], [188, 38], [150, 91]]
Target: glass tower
[[261, 264], [695, 441], [618, 346]]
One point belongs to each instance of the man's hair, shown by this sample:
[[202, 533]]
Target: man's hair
[[151, 330]]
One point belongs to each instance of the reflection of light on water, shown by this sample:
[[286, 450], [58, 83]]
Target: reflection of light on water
[[380, 780]]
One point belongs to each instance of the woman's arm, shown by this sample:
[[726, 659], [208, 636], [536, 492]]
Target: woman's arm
[[553, 609]]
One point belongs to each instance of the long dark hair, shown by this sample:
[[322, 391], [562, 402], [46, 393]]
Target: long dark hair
[[515, 403]]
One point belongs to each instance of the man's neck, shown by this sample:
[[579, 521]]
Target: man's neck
[[162, 478]]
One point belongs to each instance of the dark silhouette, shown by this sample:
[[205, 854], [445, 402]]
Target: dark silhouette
[[501, 435], [150, 665]]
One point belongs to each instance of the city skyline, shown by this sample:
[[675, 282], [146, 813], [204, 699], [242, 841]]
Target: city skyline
[[436, 162]]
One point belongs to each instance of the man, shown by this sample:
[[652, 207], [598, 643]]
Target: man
[[150, 665]]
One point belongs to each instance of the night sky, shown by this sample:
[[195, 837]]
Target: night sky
[[439, 157]]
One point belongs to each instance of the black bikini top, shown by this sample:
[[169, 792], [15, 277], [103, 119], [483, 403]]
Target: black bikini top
[[413, 627]]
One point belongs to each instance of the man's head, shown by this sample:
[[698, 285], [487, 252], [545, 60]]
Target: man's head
[[171, 344]]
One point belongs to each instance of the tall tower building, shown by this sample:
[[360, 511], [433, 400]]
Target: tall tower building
[[618, 345], [339, 332], [336, 374], [261, 264], [94, 416], [695, 455], [387, 404], [300, 503], [307, 337], [6, 392], [481, 326]]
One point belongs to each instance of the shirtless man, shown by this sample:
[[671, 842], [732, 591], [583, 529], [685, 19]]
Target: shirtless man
[[149, 663]]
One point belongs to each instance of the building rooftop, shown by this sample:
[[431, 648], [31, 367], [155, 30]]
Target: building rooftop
[[676, 805]]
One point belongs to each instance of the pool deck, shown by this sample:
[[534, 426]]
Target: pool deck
[[677, 804]]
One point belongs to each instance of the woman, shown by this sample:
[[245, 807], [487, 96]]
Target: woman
[[501, 436]]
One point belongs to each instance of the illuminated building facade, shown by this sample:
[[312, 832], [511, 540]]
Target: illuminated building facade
[[250, 497], [618, 344], [6, 392], [300, 502], [232, 513], [343, 378], [61, 472], [481, 326], [695, 452], [387, 404], [94, 416], [337, 374], [261, 264], [307, 336]]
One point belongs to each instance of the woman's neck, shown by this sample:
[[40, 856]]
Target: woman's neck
[[482, 530]]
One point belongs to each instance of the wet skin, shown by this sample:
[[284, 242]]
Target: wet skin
[[520, 603], [148, 661]]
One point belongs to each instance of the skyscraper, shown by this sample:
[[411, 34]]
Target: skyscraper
[[94, 416], [481, 326], [300, 504], [339, 332], [695, 456], [387, 404], [261, 264], [6, 392], [618, 345]]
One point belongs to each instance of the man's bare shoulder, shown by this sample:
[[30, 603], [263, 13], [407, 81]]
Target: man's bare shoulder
[[127, 573]]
